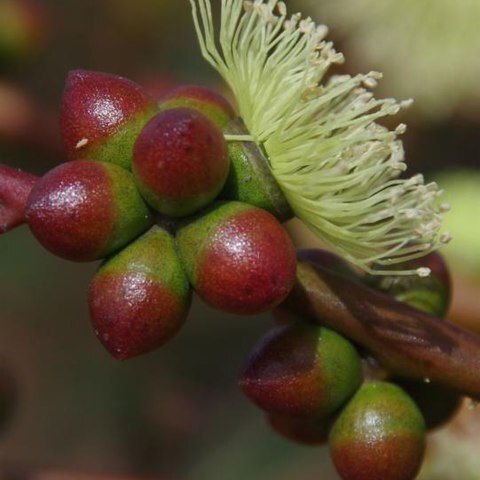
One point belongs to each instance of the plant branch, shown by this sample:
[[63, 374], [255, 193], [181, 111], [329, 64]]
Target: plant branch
[[404, 340], [15, 187]]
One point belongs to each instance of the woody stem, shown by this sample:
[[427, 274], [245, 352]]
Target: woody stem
[[404, 340]]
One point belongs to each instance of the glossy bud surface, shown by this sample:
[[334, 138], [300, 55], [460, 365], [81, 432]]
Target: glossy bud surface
[[84, 210], [301, 370], [379, 435], [102, 115], [180, 161], [238, 258], [140, 297]]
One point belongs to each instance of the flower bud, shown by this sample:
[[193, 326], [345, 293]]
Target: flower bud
[[379, 434], [140, 297], [301, 370], [84, 210], [238, 258], [102, 115], [180, 161]]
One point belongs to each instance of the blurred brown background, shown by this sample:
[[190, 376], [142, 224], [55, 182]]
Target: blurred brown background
[[177, 413]]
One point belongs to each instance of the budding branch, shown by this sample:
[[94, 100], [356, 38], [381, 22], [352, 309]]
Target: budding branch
[[404, 340]]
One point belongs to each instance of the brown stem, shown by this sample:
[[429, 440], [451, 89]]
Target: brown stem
[[404, 340], [15, 186]]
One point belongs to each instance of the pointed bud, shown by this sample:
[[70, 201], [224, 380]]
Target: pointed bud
[[238, 258], [380, 434], [180, 161], [302, 370], [140, 298], [85, 210], [102, 115]]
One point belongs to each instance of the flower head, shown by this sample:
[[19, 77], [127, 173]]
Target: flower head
[[337, 167]]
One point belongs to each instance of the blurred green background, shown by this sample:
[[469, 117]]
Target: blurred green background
[[177, 413]]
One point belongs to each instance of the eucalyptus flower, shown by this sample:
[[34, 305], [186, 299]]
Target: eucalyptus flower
[[336, 165]]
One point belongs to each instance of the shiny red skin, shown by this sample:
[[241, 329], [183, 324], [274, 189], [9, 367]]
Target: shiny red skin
[[96, 105], [282, 375], [362, 461], [15, 187], [248, 264], [180, 161], [128, 311], [378, 435], [71, 211], [301, 371]]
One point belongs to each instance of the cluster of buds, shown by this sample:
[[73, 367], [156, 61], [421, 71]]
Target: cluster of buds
[[316, 386], [140, 190], [184, 194]]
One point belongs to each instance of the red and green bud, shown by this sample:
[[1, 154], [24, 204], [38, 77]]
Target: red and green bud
[[379, 434], [202, 99], [140, 297], [302, 371], [307, 431], [238, 258], [102, 115], [180, 162], [85, 210], [15, 187], [431, 294]]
